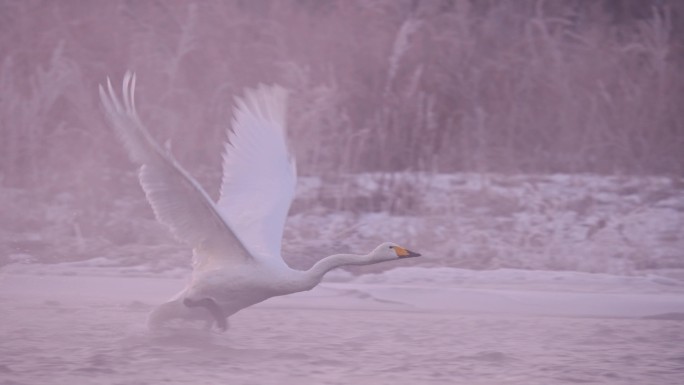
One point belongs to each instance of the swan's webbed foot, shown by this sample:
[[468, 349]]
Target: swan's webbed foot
[[213, 308]]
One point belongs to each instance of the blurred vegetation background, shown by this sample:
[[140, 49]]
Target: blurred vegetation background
[[437, 86], [432, 85]]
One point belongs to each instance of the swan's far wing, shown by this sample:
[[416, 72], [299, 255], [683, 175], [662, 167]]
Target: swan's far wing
[[259, 173], [177, 199]]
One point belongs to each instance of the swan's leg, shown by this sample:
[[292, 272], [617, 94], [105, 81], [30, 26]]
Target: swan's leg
[[214, 310]]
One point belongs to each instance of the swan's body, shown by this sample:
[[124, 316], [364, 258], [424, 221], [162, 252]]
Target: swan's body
[[236, 241]]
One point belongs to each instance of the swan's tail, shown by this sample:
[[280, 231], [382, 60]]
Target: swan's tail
[[175, 310]]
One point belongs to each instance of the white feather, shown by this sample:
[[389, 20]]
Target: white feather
[[259, 174], [177, 199]]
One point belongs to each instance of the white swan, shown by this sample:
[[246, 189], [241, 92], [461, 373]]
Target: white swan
[[236, 241]]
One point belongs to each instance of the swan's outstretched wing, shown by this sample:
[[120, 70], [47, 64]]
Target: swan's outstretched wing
[[177, 199], [259, 173]]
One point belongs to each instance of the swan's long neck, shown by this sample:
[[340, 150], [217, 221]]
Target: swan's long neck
[[314, 275]]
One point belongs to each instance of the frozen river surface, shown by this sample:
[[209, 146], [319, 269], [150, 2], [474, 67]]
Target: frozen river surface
[[90, 330]]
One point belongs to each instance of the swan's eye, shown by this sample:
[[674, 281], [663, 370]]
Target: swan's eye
[[391, 247]]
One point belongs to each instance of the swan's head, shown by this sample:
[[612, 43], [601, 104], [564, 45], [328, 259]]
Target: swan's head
[[389, 251]]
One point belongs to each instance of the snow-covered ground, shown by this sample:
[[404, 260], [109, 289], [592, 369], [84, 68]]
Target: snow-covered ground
[[618, 225], [604, 224], [524, 280]]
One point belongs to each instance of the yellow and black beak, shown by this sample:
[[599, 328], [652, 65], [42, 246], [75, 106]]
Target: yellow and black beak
[[405, 253]]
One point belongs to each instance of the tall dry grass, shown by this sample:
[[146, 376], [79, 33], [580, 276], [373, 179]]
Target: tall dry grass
[[438, 86]]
